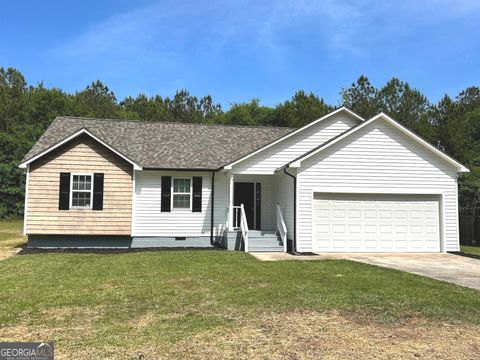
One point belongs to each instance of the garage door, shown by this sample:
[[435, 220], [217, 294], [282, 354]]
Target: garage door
[[376, 223]]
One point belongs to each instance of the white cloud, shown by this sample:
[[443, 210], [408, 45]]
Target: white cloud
[[168, 34], [165, 26]]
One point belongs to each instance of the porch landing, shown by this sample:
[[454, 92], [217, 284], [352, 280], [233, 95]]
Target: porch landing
[[258, 241]]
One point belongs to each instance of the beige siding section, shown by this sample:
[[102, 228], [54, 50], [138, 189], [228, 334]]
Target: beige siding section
[[80, 155]]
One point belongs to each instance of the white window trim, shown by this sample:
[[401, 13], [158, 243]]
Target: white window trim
[[172, 193], [91, 191]]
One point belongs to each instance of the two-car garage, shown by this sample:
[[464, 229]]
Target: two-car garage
[[376, 223], [377, 187]]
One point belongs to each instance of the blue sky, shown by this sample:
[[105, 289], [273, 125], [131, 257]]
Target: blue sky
[[238, 50]]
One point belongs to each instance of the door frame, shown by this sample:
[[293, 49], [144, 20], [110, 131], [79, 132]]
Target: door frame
[[255, 225]]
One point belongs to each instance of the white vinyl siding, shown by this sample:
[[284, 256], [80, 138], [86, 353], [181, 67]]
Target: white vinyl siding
[[221, 202], [150, 221], [268, 160], [378, 158], [283, 195]]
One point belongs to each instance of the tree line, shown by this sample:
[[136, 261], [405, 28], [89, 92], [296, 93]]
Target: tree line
[[452, 124]]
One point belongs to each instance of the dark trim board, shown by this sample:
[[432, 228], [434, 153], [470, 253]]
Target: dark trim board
[[174, 242], [80, 241], [118, 242], [181, 169]]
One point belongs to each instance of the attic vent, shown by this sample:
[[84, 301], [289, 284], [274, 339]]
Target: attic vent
[[181, 238]]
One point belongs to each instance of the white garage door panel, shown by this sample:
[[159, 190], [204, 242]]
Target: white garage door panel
[[376, 223]]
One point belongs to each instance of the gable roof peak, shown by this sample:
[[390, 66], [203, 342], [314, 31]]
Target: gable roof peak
[[325, 117], [297, 162]]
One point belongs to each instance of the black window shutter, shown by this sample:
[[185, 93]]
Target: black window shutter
[[197, 194], [97, 191], [166, 191], [64, 192]]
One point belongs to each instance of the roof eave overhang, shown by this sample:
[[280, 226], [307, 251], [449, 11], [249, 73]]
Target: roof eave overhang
[[82, 131], [152, 168]]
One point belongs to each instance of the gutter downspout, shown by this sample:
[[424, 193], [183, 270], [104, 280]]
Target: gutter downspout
[[212, 207], [294, 245]]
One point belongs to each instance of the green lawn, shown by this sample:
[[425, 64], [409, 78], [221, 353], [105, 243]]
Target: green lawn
[[124, 302], [11, 234], [475, 250]]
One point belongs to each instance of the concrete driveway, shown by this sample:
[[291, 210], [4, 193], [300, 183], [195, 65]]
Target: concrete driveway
[[456, 269]]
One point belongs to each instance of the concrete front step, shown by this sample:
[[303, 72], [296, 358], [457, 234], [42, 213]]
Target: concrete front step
[[266, 237], [269, 249], [264, 244], [258, 241], [256, 233], [263, 241]]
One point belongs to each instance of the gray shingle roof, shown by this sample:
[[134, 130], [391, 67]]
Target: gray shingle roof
[[165, 145]]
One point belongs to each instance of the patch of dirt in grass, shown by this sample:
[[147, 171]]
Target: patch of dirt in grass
[[68, 322], [290, 335], [143, 320], [307, 335], [10, 243], [24, 332], [6, 253], [111, 285], [87, 315]]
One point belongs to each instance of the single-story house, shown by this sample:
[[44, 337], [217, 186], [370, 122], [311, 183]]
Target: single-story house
[[339, 184]]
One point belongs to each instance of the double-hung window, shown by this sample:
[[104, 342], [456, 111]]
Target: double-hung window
[[182, 193], [81, 191]]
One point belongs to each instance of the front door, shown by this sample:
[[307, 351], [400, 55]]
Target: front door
[[248, 194]]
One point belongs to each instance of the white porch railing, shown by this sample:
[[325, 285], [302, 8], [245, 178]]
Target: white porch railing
[[281, 227], [240, 223], [244, 227], [235, 218]]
